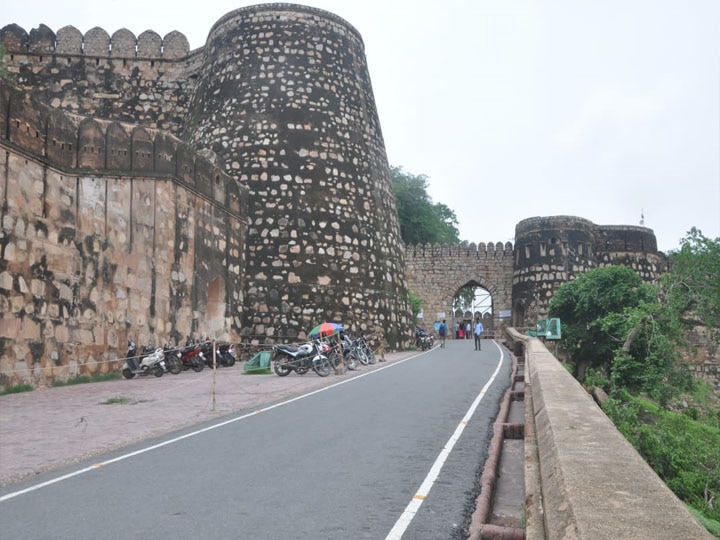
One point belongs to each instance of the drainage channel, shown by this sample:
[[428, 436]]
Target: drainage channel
[[500, 506]]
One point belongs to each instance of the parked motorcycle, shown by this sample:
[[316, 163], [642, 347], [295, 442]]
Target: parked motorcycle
[[192, 357], [365, 354], [349, 351], [148, 362], [225, 355], [172, 359], [301, 359], [423, 340], [228, 356]]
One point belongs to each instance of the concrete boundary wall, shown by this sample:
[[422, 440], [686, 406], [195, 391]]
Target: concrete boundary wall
[[593, 484]]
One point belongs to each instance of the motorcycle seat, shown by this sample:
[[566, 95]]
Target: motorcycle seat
[[288, 348]]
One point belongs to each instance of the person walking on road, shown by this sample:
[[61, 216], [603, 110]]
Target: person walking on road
[[442, 330], [478, 330]]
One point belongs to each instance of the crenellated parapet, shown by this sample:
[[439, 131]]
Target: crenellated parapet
[[145, 80], [472, 250], [96, 42]]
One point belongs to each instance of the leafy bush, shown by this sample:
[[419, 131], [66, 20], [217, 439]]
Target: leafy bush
[[596, 379], [415, 305]]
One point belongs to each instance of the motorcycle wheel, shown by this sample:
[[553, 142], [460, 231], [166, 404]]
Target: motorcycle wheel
[[280, 368], [127, 373], [158, 371], [371, 355], [174, 366], [336, 359], [363, 357], [228, 360], [198, 366], [322, 367]]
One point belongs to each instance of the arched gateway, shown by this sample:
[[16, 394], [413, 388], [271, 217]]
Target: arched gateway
[[521, 280], [435, 273]]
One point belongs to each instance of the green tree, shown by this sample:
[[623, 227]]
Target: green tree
[[421, 220], [688, 296], [463, 298], [693, 283], [584, 305], [632, 331]]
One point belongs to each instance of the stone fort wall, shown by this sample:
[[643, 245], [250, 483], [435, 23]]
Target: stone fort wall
[[548, 251], [552, 250], [436, 272], [281, 101], [109, 231]]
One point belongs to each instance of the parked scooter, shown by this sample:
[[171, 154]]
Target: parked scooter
[[301, 359], [145, 364]]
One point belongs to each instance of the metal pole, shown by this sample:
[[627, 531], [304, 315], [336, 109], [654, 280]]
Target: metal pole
[[341, 369], [214, 384]]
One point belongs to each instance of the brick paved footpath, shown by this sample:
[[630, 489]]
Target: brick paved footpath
[[49, 427]]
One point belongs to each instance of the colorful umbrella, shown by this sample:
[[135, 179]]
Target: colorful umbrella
[[325, 329]]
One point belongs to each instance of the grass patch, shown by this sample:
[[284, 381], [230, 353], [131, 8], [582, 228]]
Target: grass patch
[[18, 388], [710, 524], [683, 451], [258, 371], [117, 400], [83, 379]]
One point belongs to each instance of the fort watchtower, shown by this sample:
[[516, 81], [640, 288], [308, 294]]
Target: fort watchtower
[[286, 102]]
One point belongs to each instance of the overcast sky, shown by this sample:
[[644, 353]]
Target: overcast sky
[[606, 110]]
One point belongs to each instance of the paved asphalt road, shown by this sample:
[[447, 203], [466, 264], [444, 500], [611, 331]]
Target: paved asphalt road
[[351, 460]]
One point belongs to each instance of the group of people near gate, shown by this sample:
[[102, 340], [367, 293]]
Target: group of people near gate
[[462, 331]]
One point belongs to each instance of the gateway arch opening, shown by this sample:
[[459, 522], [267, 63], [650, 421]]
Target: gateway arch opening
[[472, 302]]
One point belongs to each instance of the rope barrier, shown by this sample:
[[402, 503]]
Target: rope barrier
[[244, 348]]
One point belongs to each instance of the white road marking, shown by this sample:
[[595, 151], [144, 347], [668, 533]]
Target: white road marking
[[413, 506], [96, 466]]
